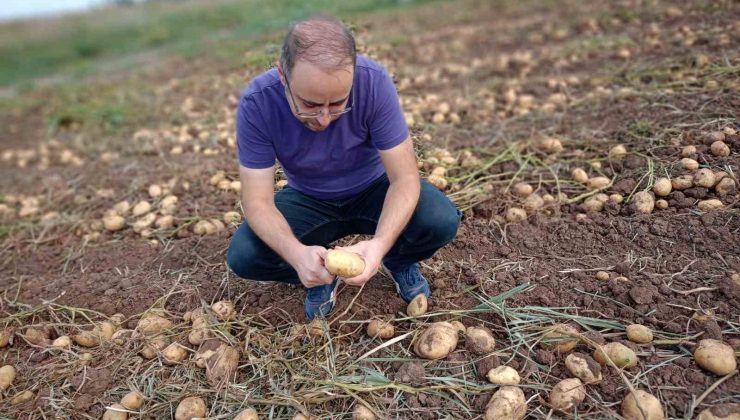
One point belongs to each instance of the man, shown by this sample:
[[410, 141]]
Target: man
[[333, 121]]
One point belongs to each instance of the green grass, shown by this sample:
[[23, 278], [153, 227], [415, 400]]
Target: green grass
[[75, 45]]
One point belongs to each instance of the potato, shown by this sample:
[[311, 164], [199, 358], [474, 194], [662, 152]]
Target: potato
[[704, 178], [710, 205], [662, 187], [142, 224], [152, 347], [221, 366], [583, 367], [122, 336], [199, 333], [62, 342], [561, 338], [640, 405], [141, 208], [687, 151], [165, 222], [579, 175], [153, 325], [115, 412], [174, 354], [549, 145], [459, 327], [189, 408], [438, 181], [439, 171], [479, 340], [721, 412], [380, 329], [114, 222], [598, 183], [567, 394], [437, 341], [343, 263], [36, 336], [522, 189], [22, 397], [601, 197], [618, 152], [503, 375], [361, 412], [515, 215], [201, 358], [621, 355], [592, 204], [248, 414], [682, 182], [204, 227], [5, 335], [725, 186], [122, 207], [715, 356], [602, 275], [508, 403], [7, 376], [85, 358], [661, 204], [232, 217], [689, 164], [641, 334], [301, 416], [224, 310], [533, 203], [417, 306], [133, 400], [644, 202], [719, 148]]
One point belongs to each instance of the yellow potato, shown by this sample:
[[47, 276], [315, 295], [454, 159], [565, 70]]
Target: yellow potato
[[584, 368], [508, 403], [579, 175], [115, 412], [221, 366], [5, 335], [598, 183], [479, 340], [438, 181], [719, 148], [224, 310], [418, 306], [7, 376], [361, 412], [22, 397], [62, 342], [662, 187], [174, 354], [515, 215], [704, 178], [190, 407], [640, 405], [380, 329], [522, 189], [644, 202], [639, 334], [715, 356], [621, 355], [533, 203], [618, 152], [723, 412], [682, 182], [248, 414], [567, 394], [153, 325], [152, 347], [133, 400], [561, 337], [689, 164], [437, 341], [344, 264], [710, 205], [503, 375]]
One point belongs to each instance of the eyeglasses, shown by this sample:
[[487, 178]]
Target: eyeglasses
[[320, 113]]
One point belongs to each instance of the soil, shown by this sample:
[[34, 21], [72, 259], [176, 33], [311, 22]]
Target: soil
[[670, 270]]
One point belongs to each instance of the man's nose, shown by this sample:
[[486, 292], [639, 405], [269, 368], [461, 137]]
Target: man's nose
[[324, 119]]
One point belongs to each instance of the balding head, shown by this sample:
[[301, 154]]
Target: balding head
[[323, 41]]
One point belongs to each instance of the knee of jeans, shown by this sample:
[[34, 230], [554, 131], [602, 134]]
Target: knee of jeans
[[441, 225], [240, 257]]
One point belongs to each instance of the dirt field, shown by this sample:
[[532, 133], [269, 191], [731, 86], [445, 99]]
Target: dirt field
[[490, 85]]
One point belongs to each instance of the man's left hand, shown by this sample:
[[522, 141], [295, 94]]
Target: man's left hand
[[372, 252]]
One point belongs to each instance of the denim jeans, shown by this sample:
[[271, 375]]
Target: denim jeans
[[318, 222]]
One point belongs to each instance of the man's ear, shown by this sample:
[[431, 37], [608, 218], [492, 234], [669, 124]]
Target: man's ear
[[280, 73]]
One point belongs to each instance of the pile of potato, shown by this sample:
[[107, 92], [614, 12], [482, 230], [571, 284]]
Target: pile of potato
[[438, 161]]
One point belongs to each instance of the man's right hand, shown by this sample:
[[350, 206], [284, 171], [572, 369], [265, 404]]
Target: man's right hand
[[308, 262]]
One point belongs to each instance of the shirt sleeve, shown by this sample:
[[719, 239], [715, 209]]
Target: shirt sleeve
[[387, 124], [254, 146]]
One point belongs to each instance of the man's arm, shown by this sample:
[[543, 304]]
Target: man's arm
[[258, 202], [398, 206]]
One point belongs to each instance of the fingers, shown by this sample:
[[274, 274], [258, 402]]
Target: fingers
[[321, 251]]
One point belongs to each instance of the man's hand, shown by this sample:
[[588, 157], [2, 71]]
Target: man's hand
[[372, 252], [308, 262]]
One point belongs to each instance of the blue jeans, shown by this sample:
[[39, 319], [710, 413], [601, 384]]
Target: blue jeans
[[317, 222]]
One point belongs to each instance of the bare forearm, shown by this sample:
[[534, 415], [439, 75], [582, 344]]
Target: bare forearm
[[400, 203], [270, 226]]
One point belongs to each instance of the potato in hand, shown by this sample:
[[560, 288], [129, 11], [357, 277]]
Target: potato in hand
[[343, 263]]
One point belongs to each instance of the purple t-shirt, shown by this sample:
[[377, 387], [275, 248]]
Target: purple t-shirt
[[332, 164]]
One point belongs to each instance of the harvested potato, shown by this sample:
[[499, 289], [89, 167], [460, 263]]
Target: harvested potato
[[721, 412], [439, 171], [114, 222], [618, 152], [549, 145], [682, 182], [200, 331], [533, 203], [662, 187], [380, 329], [598, 183], [579, 175], [153, 325], [122, 336], [437, 341], [141, 208], [641, 334], [122, 207], [561, 338], [224, 310], [248, 414], [232, 217], [479, 340], [715, 356], [515, 215], [35, 336], [150, 349], [361, 412], [640, 405], [459, 327], [592, 204], [522, 189], [343, 263], [621, 355], [583, 367], [22, 397], [508, 403], [204, 227], [719, 148], [644, 202], [688, 151], [133, 400], [301, 416], [503, 375], [189, 408], [221, 366], [85, 358], [438, 181], [725, 186], [165, 222], [115, 412], [62, 342], [5, 335], [710, 205], [704, 178], [7, 376], [174, 354], [601, 197], [201, 358], [567, 394], [689, 164], [417, 306], [86, 339], [661, 204], [602, 275]]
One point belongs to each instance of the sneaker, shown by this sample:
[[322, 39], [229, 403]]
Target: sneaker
[[409, 282], [320, 300]]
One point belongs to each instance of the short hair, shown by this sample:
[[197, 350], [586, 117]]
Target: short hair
[[321, 40]]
